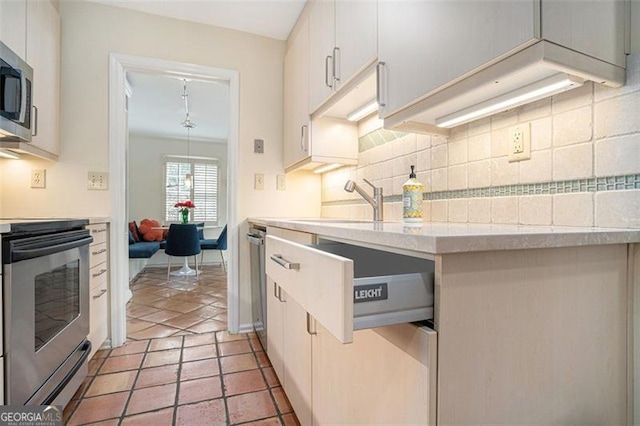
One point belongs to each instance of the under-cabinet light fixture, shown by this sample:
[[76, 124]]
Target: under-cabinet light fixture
[[8, 154], [363, 111], [533, 92], [326, 167]]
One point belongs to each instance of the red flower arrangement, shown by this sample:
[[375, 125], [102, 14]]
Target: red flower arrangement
[[183, 207]]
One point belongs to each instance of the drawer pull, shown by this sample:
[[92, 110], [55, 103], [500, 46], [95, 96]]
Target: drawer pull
[[284, 263], [311, 325], [95, 231], [101, 294], [95, 253], [102, 271]]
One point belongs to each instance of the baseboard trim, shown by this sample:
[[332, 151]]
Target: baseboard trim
[[245, 328]]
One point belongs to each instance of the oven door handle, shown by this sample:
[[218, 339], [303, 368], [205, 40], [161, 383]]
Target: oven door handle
[[18, 254]]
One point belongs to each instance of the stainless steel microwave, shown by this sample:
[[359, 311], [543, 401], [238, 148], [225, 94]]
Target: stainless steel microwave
[[15, 97]]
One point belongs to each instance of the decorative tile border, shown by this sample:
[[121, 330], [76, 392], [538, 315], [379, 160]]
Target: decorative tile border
[[609, 183]]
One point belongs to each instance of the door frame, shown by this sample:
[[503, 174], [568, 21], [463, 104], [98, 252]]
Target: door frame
[[119, 64]]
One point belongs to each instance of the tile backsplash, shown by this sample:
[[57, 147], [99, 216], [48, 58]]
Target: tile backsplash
[[584, 168]]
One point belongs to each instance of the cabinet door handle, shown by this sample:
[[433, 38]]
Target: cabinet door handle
[[311, 325], [101, 294], [102, 271], [326, 72], [277, 292], [98, 252], [336, 68], [35, 121], [303, 132], [284, 263], [379, 67], [95, 231]]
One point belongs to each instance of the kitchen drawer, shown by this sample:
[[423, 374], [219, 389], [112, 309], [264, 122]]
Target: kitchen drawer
[[348, 288], [98, 254], [98, 317], [98, 232], [98, 275]]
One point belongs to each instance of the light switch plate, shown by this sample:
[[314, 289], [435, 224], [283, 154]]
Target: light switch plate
[[281, 183], [97, 180], [258, 182], [258, 146], [39, 178]]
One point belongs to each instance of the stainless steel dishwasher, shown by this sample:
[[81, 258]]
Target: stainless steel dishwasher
[[255, 236]]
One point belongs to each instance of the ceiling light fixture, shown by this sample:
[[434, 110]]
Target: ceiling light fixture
[[327, 167], [188, 124], [363, 111], [8, 154], [533, 92]]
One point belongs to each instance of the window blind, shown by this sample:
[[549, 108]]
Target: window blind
[[203, 192]]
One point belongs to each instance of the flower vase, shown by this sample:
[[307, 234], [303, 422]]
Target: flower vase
[[185, 216]]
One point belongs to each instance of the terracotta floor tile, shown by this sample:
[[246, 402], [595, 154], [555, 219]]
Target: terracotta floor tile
[[200, 339], [200, 390], [209, 325], [167, 292], [190, 296], [206, 413], [155, 418], [149, 399], [112, 422], [198, 352], [243, 382], [234, 363], [234, 348], [121, 363], [154, 359], [255, 344], [111, 383], [94, 366], [146, 299], [160, 316], [153, 332], [263, 359], [198, 369], [208, 311], [272, 421], [157, 376], [83, 387], [250, 406], [281, 400], [183, 321], [178, 305], [131, 347], [136, 325], [290, 420], [173, 342], [225, 336], [221, 317], [270, 376], [103, 353], [99, 408], [135, 310], [184, 333]]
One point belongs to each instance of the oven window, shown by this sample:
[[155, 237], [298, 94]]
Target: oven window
[[57, 301]]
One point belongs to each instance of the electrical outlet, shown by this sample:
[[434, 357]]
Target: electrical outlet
[[39, 178], [97, 180], [281, 183], [519, 142], [258, 146], [258, 181]]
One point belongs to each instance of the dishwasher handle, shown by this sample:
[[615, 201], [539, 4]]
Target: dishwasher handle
[[284, 263], [255, 239]]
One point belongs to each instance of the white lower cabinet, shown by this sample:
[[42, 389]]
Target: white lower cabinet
[[98, 287]]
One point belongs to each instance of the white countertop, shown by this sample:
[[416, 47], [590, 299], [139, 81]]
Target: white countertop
[[439, 238]]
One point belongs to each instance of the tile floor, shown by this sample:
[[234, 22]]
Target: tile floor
[[179, 366]]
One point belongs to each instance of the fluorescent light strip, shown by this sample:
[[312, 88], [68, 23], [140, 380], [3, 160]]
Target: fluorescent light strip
[[541, 89], [363, 111], [326, 167], [8, 154]]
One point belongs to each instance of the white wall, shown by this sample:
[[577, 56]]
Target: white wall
[[90, 32], [146, 158]]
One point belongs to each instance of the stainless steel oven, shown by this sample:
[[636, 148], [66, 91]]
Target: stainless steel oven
[[46, 311]]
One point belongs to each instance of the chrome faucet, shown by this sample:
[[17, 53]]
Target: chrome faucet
[[376, 201]]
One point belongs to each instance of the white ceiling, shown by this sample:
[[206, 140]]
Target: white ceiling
[[269, 18], [156, 108]]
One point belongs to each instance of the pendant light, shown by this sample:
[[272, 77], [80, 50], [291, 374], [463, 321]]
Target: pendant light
[[188, 124]]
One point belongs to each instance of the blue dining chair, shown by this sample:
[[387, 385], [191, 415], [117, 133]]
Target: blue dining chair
[[182, 240], [219, 243]]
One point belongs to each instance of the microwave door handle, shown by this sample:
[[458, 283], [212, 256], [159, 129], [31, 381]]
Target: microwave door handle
[[23, 97]]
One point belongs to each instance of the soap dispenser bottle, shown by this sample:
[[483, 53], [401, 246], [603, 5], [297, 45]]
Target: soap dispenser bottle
[[412, 200]]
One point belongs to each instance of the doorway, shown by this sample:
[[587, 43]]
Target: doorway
[[119, 65]]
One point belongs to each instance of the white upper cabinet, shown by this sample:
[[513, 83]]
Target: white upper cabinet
[[296, 96], [43, 54], [12, 25], [343, 37], [441, 57]]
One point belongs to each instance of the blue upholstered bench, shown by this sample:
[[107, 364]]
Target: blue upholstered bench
[[143, 249]]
